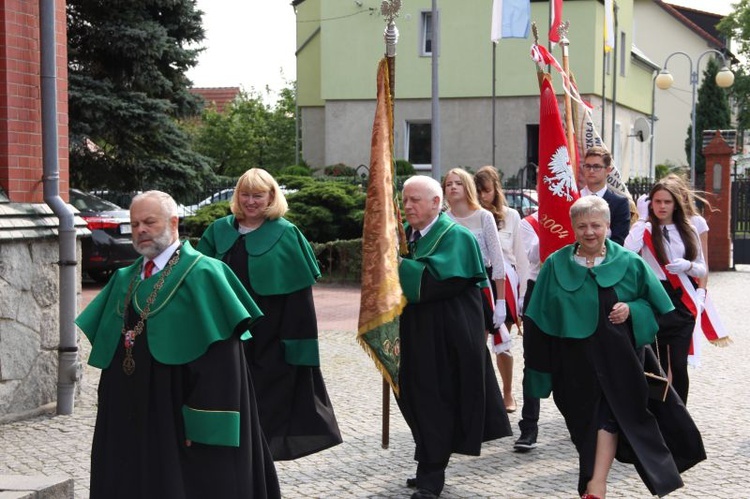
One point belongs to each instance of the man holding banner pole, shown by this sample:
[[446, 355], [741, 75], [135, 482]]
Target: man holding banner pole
[[449, 394]]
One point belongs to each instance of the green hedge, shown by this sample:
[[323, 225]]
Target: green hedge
[[340, 261]]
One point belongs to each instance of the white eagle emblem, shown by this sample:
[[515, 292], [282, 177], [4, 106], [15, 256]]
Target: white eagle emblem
[[561, 182]]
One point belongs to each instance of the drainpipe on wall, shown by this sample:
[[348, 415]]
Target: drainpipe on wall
[[68, 369]]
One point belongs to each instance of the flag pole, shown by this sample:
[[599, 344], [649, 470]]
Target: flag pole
[[569, 130], [540, 74], [390, 10], [494, 98], [612, 145]]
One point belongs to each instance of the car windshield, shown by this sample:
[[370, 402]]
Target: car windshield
[[88, 202]]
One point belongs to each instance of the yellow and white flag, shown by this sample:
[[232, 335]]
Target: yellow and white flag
[[609, 25]]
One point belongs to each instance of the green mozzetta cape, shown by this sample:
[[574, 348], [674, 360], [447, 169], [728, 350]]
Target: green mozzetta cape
[[437, 253], [276, 244], [565, 301], [202, 302]]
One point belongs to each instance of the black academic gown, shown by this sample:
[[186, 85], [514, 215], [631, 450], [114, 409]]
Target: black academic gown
[[139, 448], [295, 411], [449, 395], [659, 438]]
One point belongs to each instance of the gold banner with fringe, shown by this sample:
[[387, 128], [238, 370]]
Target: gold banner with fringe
[[381, 300]]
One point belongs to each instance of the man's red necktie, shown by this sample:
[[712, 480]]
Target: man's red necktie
[[148, 269]]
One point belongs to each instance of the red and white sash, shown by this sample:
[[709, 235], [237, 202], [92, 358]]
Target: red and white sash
[[501, 336], [512, 291], [707, 321]]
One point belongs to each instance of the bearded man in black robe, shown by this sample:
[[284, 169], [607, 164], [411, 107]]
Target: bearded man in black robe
[[177, 416]]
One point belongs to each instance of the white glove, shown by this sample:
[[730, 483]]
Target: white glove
[[642, 206], [521, 308], [498, 318], [679, 265], [700, 298]]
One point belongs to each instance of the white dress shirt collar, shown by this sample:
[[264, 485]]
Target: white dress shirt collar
[[161, 260]]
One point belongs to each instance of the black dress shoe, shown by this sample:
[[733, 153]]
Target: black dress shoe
[[411, 483], [423, 494], [526, 441]]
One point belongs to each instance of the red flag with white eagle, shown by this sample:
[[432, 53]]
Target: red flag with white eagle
[[556, 182]]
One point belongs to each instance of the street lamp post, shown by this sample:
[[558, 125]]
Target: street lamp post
[[724, 79]]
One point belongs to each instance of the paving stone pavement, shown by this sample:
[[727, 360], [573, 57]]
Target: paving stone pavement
[[360, 467]]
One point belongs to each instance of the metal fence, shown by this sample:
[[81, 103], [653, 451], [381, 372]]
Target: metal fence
[[740, 221]]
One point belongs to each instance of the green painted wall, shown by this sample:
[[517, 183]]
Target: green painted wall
[[351, 43], [309, 54]]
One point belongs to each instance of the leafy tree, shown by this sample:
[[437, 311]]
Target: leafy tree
[[281, 130], [127, 87], [249, 133], [736, 26], [711, 113]]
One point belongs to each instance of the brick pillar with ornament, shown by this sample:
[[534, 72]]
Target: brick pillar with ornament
[[718, 154]]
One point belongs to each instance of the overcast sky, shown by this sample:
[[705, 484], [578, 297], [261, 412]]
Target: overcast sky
[[253, 47]]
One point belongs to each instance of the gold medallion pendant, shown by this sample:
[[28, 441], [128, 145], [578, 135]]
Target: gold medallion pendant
[[129, 336], [128, 365]]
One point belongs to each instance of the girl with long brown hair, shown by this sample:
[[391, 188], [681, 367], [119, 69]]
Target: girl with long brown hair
[[671, 246]]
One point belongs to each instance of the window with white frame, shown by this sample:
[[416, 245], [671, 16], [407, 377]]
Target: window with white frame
[[425, 39]]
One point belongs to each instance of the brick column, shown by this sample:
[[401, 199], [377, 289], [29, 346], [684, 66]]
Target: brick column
[[20, 100], [718, 156]]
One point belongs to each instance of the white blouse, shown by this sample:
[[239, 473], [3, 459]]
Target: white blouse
[[513, 247], [675, 248], [530, 241], [699, 223], [481, 223]]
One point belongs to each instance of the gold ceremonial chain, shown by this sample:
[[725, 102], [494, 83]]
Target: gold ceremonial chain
[[128, 364]]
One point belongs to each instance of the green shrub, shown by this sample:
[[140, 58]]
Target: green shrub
[[296, 171], [404, 168], [295, 181], [327, 211], [195, 225], [340, 260], [339, 170]]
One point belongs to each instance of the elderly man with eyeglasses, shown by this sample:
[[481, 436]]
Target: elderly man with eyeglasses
[[597, 163]]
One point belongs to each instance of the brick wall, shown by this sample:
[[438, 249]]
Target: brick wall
[[20, 100]]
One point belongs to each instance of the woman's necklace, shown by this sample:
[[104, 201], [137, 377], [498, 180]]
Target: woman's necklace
[[128, 364], [590, 261]]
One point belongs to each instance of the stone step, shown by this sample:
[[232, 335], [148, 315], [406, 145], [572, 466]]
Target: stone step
[[35, 487]]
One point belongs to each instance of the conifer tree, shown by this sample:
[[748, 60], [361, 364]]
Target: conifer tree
[[127, 61], [712, 112]]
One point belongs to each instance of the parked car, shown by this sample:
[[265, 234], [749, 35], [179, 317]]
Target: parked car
[[222, 195], [110, 245], [524, 201]]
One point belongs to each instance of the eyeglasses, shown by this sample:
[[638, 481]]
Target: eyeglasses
[[595, 168]]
